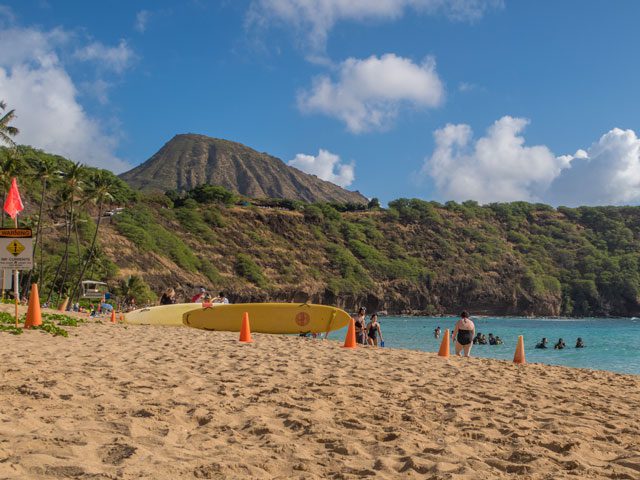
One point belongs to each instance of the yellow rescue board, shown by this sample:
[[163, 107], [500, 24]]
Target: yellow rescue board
[[269, 318], [161, 315]]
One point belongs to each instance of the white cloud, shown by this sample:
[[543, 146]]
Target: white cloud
[[368, 94], [314, 19], [496, 167], [117, 58], [466, 87], [500, 168], [607, 173], [142, 18], [326, 166], [34, 81]]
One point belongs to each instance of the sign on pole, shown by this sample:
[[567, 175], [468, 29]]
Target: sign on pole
[[16, 248]]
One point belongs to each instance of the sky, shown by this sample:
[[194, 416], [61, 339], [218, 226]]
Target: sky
[[486, 100]]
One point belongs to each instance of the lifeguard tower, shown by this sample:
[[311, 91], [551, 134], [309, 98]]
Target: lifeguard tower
[[94, 290]]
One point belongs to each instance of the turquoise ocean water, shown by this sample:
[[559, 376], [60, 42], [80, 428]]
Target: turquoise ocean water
[[611, 344]]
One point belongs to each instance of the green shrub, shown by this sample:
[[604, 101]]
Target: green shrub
[[247, 268], [211, 193]]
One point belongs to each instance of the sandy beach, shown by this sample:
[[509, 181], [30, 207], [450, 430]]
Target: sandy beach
[[125, 402]]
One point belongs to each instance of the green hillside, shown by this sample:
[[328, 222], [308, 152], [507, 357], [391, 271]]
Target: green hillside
[[414, 257]]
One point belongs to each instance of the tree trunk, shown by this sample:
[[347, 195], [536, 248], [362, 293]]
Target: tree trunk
[[90, 254], [35, 242], [59, 268], [66, 257]]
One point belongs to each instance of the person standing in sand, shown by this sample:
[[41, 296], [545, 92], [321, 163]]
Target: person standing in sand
[[359, 324], [463, 334], [373, 330]]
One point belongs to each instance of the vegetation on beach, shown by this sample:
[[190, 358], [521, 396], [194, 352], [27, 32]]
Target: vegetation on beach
[[51, 323]]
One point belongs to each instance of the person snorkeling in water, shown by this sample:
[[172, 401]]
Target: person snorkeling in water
[[543, 343]]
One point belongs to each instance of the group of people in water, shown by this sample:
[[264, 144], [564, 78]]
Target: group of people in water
[[465, 336], [478, 339], [560, 344]]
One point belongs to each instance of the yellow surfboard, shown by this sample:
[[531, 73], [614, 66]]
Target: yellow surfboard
[[269, 318], [160, 315]]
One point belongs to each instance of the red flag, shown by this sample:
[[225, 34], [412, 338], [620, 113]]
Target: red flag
[[13, 205]]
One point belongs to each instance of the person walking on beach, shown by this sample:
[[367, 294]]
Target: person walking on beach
[[373, 330], [168, 297], [463, 334], [359, 324]]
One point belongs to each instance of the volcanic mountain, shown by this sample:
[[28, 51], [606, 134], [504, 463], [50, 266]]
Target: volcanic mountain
[[188, 160]]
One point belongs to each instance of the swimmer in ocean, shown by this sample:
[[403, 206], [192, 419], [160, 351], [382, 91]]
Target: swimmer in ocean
[[543, 343]]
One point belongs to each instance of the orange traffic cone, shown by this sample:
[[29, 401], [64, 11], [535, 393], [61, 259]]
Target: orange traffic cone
[[350, 339], [34, 317], [245, 330], [113, 316], [519, 356], [445, 345], [122, 317]]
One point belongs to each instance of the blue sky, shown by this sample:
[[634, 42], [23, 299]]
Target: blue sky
[[465, 99]]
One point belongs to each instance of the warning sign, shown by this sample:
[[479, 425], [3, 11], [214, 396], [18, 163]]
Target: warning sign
[[16, 248], [15, 232]]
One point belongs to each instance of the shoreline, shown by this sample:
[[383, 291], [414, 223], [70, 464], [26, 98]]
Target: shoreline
[[143, 401]]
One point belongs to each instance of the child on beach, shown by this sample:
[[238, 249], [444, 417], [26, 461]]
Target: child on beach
[[463, 334]]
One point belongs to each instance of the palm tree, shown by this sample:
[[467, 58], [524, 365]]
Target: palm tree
[[100, 193], [7, 131], [45, 169], [69, 195]]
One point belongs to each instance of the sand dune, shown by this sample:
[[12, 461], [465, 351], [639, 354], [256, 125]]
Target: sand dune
[[116, 402]]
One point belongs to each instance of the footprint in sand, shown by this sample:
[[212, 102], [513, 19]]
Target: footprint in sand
[[116, 453]]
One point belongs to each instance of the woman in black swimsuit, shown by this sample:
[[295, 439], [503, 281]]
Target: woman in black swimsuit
[[463, 334], [373, 330], [359, 324]]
